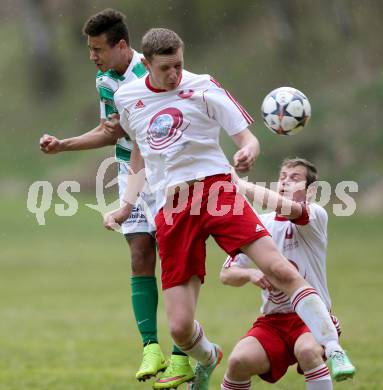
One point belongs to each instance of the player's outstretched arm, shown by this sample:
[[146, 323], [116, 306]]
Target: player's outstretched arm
[[269, 199], [249, 150], [135, 184], [96, 138], [237, 277], [49, 144]]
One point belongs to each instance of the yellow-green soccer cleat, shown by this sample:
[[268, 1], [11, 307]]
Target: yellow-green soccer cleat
[[203, 373], [179, 371], [340, 366], [153, 362]]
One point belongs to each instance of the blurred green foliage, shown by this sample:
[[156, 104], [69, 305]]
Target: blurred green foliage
[[330, 50]]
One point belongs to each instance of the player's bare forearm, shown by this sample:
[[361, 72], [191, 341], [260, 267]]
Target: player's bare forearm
[[93, 139], [134, 185], [247, 138], [249, 150], [136, 160], [114, 219], [235, 276], [269, 199], [136, 178]]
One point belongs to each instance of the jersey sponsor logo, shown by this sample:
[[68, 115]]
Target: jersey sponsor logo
[[186, 94], [165, 128], [139, 104]]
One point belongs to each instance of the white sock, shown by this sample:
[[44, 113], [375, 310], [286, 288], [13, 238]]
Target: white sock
[[229, 384], [199, 347], [318, 378], [311, 309]]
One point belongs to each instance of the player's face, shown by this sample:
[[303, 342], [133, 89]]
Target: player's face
[[103, 55], [166, 70], [292, 183]]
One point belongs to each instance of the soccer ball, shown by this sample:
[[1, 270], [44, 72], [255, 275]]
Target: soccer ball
[[286, 111]]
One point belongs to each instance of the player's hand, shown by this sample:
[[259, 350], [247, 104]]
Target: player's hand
[[49, 144], [244, 159], [114, 219], [258, 278], [112, 126]]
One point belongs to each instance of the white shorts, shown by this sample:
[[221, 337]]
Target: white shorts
[[142, 218]]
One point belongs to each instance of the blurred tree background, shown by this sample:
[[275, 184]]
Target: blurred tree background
[[330, 49]]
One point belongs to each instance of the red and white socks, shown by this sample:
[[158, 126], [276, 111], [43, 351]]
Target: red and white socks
[[229, 384], [199, 347], [312, 310], [318, 378]]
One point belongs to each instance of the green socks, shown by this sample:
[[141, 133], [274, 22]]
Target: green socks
[[177, 351], [145, 301]]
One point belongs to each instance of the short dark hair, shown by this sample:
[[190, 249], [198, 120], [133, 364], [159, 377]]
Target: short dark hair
[[109, 22], [312, 173], [159, 41]]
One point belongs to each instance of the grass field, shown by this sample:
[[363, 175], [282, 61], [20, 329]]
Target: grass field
[[65, 314]]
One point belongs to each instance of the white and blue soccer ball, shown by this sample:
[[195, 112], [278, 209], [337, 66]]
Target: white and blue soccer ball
[[286, 111]]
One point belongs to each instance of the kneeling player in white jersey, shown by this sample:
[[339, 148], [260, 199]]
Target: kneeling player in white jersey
[[174, 118], [119, 64], [279, 338]]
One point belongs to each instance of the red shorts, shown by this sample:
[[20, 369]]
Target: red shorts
[[278, 333], [212, 207]]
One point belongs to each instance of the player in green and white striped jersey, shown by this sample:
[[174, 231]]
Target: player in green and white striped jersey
[[107, 84], [118, 63]]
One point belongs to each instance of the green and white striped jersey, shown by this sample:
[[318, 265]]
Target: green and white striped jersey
[[107, 84]]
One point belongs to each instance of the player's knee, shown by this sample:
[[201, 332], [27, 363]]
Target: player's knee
[[181, 332], [143, 259], [309, 355], [241, 366], [143, 262], [237, 364]]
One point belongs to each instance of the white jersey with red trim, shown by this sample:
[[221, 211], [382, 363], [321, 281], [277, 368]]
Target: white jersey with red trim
[[177, 131], [304, 243]]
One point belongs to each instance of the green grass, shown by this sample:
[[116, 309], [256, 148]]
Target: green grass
[[65, 315]]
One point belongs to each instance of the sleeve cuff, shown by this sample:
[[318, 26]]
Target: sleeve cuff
[[304, 219]]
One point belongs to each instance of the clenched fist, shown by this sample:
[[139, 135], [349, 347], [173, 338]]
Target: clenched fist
[[49, 144]]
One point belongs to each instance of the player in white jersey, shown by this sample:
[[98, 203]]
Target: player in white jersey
[[119, 64], [174, 118], [279, 338]]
